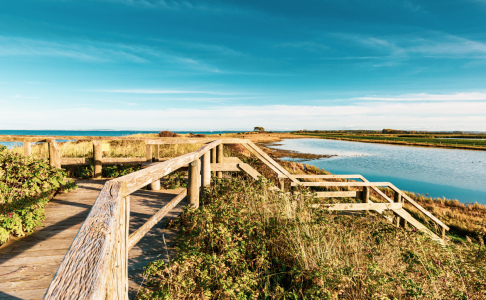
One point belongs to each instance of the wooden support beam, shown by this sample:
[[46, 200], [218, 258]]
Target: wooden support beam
[[219, 158], [249, 170], [54, 155], [281, 183], [397, 198], [97, 159], [148, 153], [343, 194], [27, 148], [206, 170], [340, 183], [365, 194], [213, 155], [193, 183], [325, 176], [156, 152], [155, 185], [136, 236], [380, 207]]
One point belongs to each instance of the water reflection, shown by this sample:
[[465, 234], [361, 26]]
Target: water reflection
[[453, 173]]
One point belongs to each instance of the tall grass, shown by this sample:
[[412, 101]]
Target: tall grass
[[248, 242]]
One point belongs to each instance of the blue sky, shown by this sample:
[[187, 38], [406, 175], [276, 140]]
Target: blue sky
[[233, 65]]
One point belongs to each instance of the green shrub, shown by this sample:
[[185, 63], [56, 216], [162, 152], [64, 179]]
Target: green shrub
[[26, 185]]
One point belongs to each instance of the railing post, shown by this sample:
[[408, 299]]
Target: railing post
[[206, 170], [365, 194], [156, 152], [193, 183], [397, 198], [97, 158], [443, 232], [219, 158], [54, 155], [27, 148], [148, 153], [281, 183], [117, 283]]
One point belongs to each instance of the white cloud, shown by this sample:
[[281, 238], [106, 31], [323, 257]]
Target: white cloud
[[470, 96], [455, 115]]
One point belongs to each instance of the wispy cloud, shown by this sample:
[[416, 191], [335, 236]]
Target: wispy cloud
[[466, 96], [157, 91], [425, 44], [78, 50], [305, 45]]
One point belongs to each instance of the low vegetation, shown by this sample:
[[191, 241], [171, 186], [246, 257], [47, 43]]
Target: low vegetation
[[26, 185], [469, 141], [248, 242]]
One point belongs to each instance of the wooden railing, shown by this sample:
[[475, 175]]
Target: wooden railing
[[399, 198], [95, 266]]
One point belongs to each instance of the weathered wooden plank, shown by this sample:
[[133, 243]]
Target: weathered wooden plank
[[361, 206], [142, 231], [144, 177], [377, 190], [405, 215], [249, 170], [123, 160], [341, 183], [271, 166], [271, 161], [423, 210], [84, 272], [97, 159], [326, 176], [342, 194], [229, 167]]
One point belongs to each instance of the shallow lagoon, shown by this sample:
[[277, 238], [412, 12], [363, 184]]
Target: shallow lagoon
[[450, 173]]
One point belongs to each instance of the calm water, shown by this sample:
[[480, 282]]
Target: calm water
[[450, 173], [86, 133]]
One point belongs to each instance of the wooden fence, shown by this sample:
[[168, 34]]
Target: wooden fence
[[95, 267]]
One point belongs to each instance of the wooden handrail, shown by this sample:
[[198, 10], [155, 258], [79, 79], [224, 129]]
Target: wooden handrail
[[86, 270], [327, 183], [139, 179]]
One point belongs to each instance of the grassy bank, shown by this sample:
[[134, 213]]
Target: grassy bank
[[444, 141], [247, 242]]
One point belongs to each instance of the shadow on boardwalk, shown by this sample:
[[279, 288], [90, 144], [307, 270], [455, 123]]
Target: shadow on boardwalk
[[28, 264]]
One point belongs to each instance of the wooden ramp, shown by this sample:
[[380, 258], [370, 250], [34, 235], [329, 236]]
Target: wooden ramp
[[28, 264]]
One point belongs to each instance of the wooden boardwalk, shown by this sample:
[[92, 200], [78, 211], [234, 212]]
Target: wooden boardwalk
[[28, 264]]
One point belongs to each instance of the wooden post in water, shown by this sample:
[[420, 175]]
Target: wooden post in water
[[97, 158], [365, 195], [54, 155], [27, 148], [397, 199], [193, 183], [206, 170], [219, 158]]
